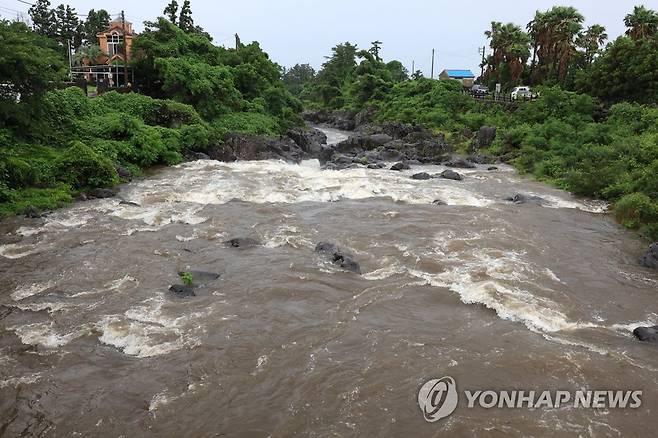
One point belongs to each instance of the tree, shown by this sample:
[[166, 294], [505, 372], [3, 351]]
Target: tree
[[591, 42], [398, 71], [298, 77], [29, 65], [68, 27], [87, 54], [185, 20], [171, 11], [642, 23], [374, 50], [626, 71], [43, 18], [333, 78], [95, 23], [553, 34], [511, 50]]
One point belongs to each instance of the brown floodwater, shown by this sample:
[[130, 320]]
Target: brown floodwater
[[496, 295]]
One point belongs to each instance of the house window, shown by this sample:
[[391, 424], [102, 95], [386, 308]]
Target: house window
[[114, 43]]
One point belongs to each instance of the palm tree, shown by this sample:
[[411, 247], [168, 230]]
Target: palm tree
[[554, 33], [510, 52], [87, 55], [642, 23], [591, 41]]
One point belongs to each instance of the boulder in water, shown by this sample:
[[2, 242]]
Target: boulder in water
[[647, 334], [201, 277], [650, 259], [460, 163], [31, 212], [182, 291], [338, 257], [400, 166], [101, 193], [520, 198], [439, 202], [492, 168], [451, 174], [421, 176], [242, 242]]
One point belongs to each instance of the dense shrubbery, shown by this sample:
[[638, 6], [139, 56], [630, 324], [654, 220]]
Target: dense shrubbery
[[597, 139], [564, 138], [57, 142]]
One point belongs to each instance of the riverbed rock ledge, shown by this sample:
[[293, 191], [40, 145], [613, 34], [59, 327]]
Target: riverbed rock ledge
[[182, 291], [650, 259], [338, 256], [647, 334]]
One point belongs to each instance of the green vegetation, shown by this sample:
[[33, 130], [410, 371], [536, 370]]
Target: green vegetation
[[57, 143], [593, 131], [187, 278]]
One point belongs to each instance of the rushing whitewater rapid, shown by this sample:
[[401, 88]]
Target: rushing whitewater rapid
[[284, 343]]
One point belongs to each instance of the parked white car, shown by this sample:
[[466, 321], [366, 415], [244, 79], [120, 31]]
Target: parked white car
[[521, 92]]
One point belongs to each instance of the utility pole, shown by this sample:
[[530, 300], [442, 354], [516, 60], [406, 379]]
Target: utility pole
[[70, 61], [413, 66], [483, 52], [432, 76], [125, 50]]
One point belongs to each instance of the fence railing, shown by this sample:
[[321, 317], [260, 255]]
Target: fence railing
[[501, 98]]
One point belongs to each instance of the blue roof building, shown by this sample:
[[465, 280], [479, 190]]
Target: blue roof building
[[457, 74], [466, 77]]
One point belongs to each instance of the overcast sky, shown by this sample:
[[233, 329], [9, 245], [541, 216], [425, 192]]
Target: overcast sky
[[303, 31]]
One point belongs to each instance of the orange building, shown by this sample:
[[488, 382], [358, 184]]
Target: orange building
[[112, 42]]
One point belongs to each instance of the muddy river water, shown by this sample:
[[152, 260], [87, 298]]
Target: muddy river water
[[496, 295]]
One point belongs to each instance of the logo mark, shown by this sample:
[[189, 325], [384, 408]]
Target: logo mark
[[438, 399]]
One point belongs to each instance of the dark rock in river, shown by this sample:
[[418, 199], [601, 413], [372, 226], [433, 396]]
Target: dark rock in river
[[124, 173], [200, 156], [421, 176], [240, 146], [460, 163], [650, 259], [130, 203], [242, 242], [376, 166], [338, 257], [485, 137], [363, 142], [201, 277], [520, 198], [451, 174], [481, 159], [101, 193], [31, 212], [309, 140], [492, 168], [388, 154], [182, 291], [647, 334], [400, 166], [439, 202]]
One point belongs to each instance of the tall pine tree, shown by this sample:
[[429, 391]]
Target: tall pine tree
[[43, 18], [185, 21], [97, 22], [171, 11]]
